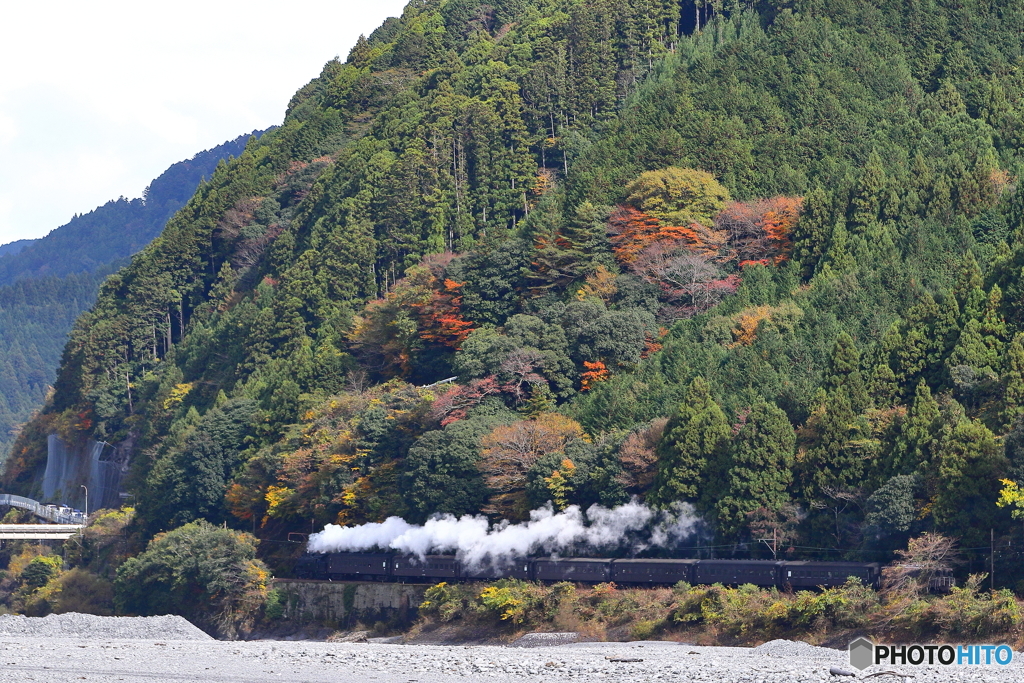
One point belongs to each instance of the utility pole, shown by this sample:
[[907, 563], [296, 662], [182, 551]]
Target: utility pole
[[774, 546], [86, 504], [992, 560]]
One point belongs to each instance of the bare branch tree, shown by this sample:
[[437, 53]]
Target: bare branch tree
[[927, 562], [521, 365]]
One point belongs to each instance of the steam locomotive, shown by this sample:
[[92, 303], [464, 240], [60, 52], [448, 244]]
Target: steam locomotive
[[635, 572]]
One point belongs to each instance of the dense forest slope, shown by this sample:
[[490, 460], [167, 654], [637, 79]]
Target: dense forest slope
[[45, 284], [761, 257], [14, 247]]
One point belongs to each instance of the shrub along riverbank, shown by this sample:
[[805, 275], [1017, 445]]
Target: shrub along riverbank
[[708, 615]]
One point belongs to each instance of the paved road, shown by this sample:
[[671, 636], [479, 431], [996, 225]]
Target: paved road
[[68, 660]]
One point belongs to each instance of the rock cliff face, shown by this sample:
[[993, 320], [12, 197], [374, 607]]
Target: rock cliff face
[[95, 464]]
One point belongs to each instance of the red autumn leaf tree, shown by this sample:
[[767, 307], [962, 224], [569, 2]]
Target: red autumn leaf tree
[[761, 231]]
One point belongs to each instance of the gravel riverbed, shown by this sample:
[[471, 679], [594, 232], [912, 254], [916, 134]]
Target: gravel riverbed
[[103, 659]]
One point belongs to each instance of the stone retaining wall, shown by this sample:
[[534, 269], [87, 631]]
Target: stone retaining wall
[[343, 604]]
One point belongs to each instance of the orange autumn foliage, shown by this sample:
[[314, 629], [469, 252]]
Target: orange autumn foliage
[[383, 335], [596, 372], [633, 231], [747, 323], [651, 346], [439, 317]]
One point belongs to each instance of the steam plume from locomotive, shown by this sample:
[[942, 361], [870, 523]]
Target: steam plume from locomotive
[[476, 542]]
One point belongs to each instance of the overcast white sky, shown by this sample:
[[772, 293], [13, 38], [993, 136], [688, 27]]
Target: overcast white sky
[[97, 98]]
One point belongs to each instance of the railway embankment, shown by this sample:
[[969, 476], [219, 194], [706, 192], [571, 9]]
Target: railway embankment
[[500, 611]]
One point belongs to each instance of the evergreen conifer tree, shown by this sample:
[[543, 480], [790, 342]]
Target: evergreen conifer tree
[[833, 463], [695, 437], [1013, 381], [944, 331], [811, 234], [883, 387], [844, 373], [759, 469], [964, 479], [912, 448], [968, 290], [867, 201], [586, 232]]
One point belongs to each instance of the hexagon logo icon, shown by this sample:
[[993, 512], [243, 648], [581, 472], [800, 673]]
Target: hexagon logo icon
[[862, 653]]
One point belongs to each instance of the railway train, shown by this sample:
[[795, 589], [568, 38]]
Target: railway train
[[635, 572]]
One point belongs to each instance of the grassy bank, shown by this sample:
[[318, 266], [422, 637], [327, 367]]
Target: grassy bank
[[746, 615]]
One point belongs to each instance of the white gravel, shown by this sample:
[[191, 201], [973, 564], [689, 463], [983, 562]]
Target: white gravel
[[104, 661], [74, 625]]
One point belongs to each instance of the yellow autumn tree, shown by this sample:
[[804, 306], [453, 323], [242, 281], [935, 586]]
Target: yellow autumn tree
[[678, 196], [509, 452]]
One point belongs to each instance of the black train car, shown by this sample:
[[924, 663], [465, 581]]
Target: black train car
[[652, 571], [829, 574], [518, 568], [311, 567], [736, 572], [358, 566], [430, 567], [572, 569]]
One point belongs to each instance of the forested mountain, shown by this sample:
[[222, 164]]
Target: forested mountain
[[14, 247], [763, 257], [45, 284]]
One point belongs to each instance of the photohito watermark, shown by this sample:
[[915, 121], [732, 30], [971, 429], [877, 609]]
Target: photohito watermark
[[864, 653]]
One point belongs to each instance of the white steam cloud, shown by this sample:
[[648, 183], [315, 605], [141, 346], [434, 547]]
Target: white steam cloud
[[476, 542]]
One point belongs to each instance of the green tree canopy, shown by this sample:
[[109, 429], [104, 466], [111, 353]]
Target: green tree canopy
[[207, 574], [678, 196]]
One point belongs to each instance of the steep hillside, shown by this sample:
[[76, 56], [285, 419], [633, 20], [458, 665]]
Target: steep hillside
[[762, 258], [45, 284]]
